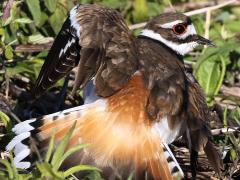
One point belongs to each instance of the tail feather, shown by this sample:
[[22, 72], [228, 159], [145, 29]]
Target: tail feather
[[21, 151], [18, 139], [116, 139], [174, 167], [26, 128], [214, 157]]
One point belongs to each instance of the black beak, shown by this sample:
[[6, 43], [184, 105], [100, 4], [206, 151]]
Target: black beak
[[204, 41]]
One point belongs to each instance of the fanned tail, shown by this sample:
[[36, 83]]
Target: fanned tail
[[38, 130], [117, 128], [113, 142]]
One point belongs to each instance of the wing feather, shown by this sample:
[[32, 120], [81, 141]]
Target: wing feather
[[62, 58], [99, 38]]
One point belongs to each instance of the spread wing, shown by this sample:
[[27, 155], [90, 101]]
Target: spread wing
[[98, 41]]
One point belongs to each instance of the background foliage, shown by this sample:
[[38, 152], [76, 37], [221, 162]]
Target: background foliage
[[28, 30]]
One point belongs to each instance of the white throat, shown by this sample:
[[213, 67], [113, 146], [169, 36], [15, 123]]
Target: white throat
[[181, 49]]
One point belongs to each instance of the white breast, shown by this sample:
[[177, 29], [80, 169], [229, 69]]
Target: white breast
[[167, 134]]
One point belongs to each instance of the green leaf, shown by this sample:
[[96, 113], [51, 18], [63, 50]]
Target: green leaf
[[34, 7], [34, 39], [23, 20], [232, 26], [6, 121], [225, 117], [56, 19], [94, 175], [154, 8], [2, 32], [44, 19], [14, 169], [37, 39], [61, 148], [9, 168], [51, 5], [47, 171], [221, 79], [210, 69], [69, 152], [74, 169], [223, 16], [21, 67], [208, 76], [235, 114], [223, 49], [50, 150], [130, 177], [8, 52], [140, 10], [36, 65], [233, 154], [115, 4]]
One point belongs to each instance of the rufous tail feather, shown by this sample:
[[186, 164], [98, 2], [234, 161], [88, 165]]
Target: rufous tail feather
[[118, 131]]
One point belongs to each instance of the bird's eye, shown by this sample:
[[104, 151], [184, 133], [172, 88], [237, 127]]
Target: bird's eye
[[179, 28]]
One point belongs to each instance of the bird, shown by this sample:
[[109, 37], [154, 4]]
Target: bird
[[145, 97]]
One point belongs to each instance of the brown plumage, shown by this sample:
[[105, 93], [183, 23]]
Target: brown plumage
[[105, 50], [120, 134], [147, 98]]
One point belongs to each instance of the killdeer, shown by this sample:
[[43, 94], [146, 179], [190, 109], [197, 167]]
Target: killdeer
[[147, 99]]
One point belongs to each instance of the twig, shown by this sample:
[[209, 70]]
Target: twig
[[136, 26], [207, 24], [15, 117], [33, 47], [191, 13], [224, 130], [7, 80], [192, 5], [232, 91], [204, 10]]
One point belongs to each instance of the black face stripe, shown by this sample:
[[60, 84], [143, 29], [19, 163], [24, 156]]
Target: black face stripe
[[188, 39]]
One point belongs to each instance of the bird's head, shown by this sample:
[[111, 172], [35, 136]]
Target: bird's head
[[176, 31]]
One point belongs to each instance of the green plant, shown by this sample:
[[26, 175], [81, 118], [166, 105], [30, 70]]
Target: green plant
[[49, 168]]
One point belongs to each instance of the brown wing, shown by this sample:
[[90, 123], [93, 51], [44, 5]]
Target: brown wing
[[62, 58], [101, 40], [198, 124]]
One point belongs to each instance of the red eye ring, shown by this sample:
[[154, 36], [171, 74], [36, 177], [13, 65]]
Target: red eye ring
[[179, 28]]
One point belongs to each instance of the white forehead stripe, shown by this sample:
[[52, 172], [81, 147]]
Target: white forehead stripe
[[73, 19], [181, 49], [171, 24]]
